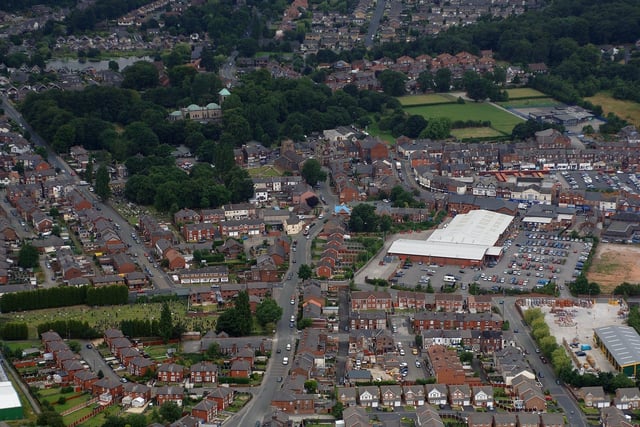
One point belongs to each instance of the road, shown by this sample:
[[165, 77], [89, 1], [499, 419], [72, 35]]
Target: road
[[160, 278], [95, 361], [374, 23], [228, 70], [258, 406], [560, 394]]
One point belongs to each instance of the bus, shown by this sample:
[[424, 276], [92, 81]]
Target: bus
[[448, 278]]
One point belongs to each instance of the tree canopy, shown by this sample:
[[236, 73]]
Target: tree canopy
[[312, 172]]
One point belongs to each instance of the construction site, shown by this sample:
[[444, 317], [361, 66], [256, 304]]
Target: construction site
[[573, 323]]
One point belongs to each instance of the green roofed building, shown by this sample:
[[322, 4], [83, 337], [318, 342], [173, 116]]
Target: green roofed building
[[621, 345], [10, 406]]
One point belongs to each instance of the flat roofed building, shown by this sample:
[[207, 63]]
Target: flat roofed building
[[621, 345], [468, 239], [10, 406]]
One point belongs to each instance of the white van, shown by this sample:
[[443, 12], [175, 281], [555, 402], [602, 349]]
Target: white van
[[449, 278]]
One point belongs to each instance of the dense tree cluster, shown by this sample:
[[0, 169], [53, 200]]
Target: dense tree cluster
[[582, 286], [140, 328], [63, 296], [526, 130], [13, 331], [68, 329], [237, 321]]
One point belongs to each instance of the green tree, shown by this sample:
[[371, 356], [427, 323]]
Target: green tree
[[268, 311], [305, 272], [50, 419], [312, 172], [442, 80], [28, 256], [140, 76], [311, 386], [102, 188], [237, 321], [166, 322], [170, 411], [437, 128], [392, 82], [363, 218], [337, 410]]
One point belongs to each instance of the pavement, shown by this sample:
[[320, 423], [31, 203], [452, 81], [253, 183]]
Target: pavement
[[565, 399], [259, 406]]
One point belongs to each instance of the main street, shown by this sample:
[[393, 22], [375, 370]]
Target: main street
[[525, 341], [374, 23], [258, 407]]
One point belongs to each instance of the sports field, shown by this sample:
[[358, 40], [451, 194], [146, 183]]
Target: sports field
[[627, 110], [501, 120], [524, 92], [431, 98]]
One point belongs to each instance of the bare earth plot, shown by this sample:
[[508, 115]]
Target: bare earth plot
[[579, 326], [614, 264]]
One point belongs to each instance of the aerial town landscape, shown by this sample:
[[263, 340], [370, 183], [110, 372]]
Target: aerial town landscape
[[319, 213]]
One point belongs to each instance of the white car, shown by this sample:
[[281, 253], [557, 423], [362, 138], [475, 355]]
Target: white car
[[293, 301], [285, 360]]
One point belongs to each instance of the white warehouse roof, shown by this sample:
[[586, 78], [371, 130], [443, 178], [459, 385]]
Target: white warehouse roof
[[468, 236], [8, 396]]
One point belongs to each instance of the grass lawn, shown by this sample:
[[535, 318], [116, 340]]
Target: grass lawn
[[479, 132], [375, 131], [157, 352], [627, 110], [530, 103], [105, 317], [523, 92], [501, 121], [266, 171], [99, 420], [431, 98]]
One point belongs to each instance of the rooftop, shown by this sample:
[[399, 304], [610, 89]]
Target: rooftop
[[623, 342]]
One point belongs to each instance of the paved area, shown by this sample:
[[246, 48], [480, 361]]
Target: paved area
[[576, 324], [378, 266]]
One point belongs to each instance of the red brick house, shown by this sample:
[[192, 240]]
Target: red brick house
[[240, 369], [136, 390], [111, 334], [175, 259], [205, 410], [85, 379], [169, 393], [371, 300], [106, 385], [222, 396], [139, 366], [294, 403], [372, 148], [170, 373], [203, 372]]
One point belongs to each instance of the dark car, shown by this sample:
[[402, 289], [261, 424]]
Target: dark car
[[89, 346]]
